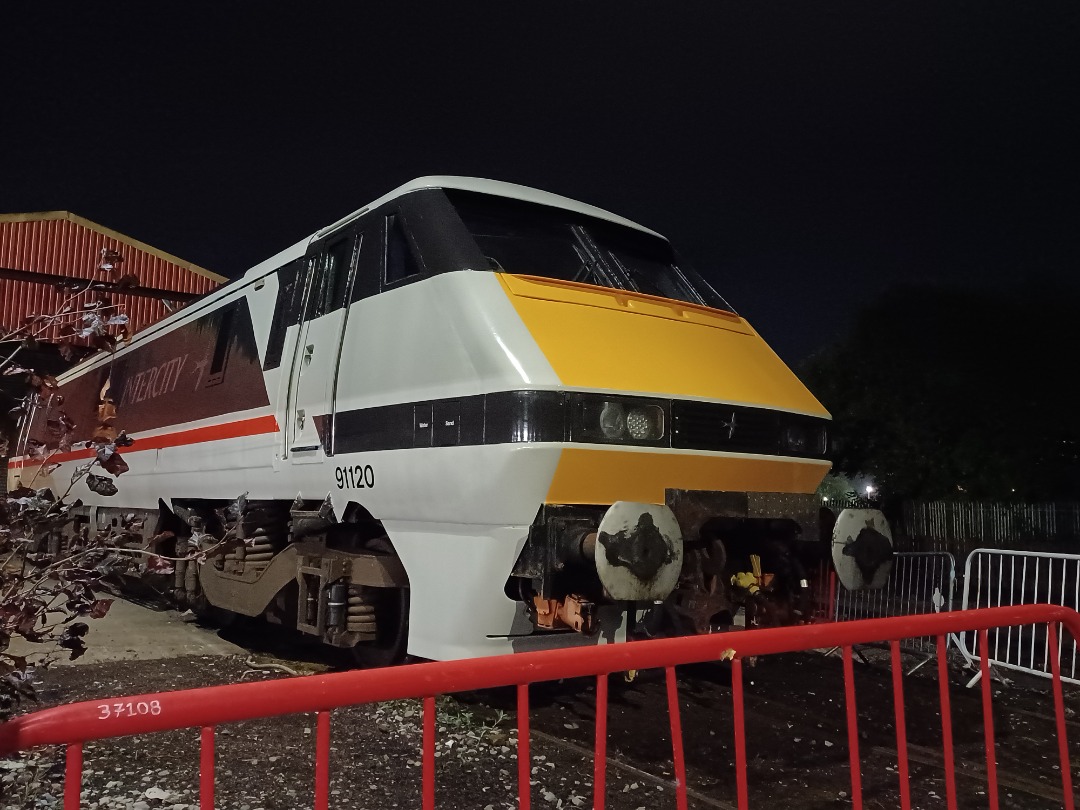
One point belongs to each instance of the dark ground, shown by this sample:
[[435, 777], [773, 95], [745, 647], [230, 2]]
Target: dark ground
[[796, 743]]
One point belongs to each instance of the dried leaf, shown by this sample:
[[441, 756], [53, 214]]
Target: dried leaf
[[106, 412], [100, 608], [127, 280], [156, 564], [110, 260], [103, 433], [115, 464], [15, 368], [106, 342], [93, 324], [72, 639], [100, 484]]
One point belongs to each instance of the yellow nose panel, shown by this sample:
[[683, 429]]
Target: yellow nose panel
[[588, 475], [612, 340]]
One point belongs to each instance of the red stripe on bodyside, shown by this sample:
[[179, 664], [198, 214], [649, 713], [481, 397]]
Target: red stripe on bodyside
[[211, 433]]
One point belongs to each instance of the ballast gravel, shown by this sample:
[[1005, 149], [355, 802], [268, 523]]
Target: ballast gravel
[[375, 754]]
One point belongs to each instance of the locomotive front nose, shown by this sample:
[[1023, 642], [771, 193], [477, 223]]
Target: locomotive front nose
[[639, 551]]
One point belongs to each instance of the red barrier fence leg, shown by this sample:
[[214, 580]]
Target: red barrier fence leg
[[740, 732], [206, 769], [676, 739], [524, 757], [73, 777], [600, 765], [901, 726], [429, 753], [852, 730], [988, 722], [1059, 714], [946, 724], [322, 761]]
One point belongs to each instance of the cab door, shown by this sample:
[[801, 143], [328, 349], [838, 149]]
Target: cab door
[[330, 270]]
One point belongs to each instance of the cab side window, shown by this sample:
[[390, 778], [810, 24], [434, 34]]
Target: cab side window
[[286, 311], [400, 261], [339, 266]]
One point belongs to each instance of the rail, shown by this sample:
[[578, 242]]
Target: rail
[[208, 707]]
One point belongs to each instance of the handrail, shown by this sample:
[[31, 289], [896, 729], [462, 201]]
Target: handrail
[[215, 705]]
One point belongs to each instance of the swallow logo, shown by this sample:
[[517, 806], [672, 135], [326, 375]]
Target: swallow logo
[[730, 426]]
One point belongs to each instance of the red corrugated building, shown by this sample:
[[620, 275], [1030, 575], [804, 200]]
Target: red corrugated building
[[37, 247], [63, 244]]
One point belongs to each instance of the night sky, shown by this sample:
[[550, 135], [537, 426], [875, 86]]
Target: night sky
[[803, 157]]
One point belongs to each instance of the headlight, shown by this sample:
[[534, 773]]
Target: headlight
[[599, 419], [613, 421], [620, 420], [804, 439]]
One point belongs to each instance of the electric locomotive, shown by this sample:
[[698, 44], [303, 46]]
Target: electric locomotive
[[467, 419]]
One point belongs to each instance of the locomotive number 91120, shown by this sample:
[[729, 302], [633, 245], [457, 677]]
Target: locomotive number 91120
[[358, 476]]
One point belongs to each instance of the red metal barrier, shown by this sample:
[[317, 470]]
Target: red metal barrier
[[208, 707]]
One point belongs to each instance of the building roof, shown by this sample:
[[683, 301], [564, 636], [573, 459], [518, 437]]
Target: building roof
[[62, 244], [48, 216]]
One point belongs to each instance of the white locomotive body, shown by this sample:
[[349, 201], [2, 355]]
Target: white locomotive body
[[467, 417]]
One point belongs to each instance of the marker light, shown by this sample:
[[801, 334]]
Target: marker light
[[645, 422], [795, 439]]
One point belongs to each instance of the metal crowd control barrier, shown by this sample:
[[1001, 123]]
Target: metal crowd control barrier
[[206, 708], [920, 583], [996, 577]]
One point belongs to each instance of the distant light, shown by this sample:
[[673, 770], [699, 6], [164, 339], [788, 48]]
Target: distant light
[[869, 490], [826, 498]]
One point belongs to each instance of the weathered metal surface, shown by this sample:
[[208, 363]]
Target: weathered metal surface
[[639, 551], [694, 508], [61, 243], [862, 549]]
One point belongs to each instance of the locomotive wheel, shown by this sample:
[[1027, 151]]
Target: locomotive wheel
[[391, 641], [213, 615]]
